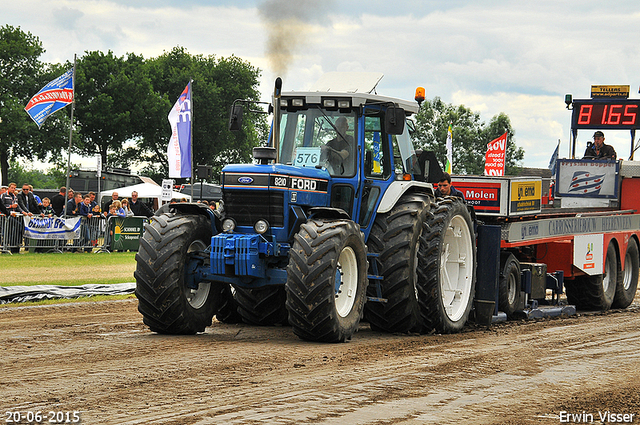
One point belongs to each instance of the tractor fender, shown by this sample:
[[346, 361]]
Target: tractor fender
[[398, 188], [328, 212], [197, 209]]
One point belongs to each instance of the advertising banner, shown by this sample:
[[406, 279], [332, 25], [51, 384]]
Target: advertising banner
[[125, 233], [588, 253], [526, 196], [486, 197], [495, 159], [51, 227], [179, 149], [587, 178]]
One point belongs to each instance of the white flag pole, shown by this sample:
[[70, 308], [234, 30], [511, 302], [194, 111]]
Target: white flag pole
[[73, 107]]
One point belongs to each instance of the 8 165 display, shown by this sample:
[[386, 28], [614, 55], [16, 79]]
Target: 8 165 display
[[601, 114]]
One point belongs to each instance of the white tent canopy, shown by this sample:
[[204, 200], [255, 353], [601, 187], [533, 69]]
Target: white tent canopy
[[145, 190]]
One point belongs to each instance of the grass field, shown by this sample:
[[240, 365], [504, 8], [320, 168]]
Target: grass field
[[66, 269]]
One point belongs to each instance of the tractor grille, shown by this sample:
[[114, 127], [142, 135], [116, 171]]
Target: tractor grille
[[248, 206]]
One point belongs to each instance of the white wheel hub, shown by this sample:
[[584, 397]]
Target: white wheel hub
[[197, 297], [456, 268], [348, 287]]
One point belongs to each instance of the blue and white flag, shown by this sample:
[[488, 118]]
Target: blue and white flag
[[55, 95], [554, 160], [179, 150], [583, 182]]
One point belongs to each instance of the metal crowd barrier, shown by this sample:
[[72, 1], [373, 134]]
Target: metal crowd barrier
[[11, 229], [97, 234]]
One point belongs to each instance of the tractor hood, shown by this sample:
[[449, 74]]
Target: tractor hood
[[275, 176]]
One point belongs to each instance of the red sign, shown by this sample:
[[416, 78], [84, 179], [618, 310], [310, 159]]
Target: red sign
[[484, 196], [495, 159]]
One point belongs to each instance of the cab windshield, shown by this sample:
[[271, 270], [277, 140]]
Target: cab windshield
[[319, 138]]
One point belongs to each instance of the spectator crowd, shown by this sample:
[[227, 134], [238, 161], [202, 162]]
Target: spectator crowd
[[67, 203], [16, 203]]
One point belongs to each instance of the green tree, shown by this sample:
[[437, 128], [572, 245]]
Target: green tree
[[470, 136], [52, 179], [21, 76], [111, 94], [217, 82]]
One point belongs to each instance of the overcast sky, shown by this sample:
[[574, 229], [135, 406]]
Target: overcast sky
[[516, 57]]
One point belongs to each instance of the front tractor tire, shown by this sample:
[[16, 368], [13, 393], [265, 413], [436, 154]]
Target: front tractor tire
[[327, 280], [446, 266], [170, 246]]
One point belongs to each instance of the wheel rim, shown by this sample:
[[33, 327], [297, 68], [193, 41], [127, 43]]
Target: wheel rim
[[456, 268], [512, 289], [628, 271], [415, 272], [197, 297], [346, 281], [609, 274]]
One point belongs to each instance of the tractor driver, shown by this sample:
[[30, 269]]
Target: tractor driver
[[336, 150]]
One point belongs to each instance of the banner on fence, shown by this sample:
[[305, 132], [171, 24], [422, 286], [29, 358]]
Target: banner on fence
[[51, 227]]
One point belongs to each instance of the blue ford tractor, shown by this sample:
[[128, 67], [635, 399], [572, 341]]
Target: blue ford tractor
[[335, 219]]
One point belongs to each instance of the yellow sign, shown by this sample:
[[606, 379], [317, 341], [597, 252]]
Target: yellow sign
[[526, 195], [610, 91]]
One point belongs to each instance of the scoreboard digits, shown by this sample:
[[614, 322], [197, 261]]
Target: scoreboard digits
[[603, 114]]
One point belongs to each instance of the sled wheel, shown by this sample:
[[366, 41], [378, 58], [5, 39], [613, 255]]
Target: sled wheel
[[509, 289], [627, 280], [595, 292]]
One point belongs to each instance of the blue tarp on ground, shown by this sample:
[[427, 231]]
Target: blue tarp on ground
[[13, 294]]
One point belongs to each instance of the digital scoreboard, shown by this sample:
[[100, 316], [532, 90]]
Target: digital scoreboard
[[615, 114]]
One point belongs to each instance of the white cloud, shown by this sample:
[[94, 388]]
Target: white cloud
[[518, 58]]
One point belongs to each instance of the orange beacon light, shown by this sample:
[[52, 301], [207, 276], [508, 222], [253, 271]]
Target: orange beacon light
[[419, 95]]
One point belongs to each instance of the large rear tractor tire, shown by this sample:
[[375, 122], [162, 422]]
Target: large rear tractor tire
[[228, 309], [628, 280], [170, 247], [262, 306], [327, 280], [596, 292], [446, 266], [395, 236]]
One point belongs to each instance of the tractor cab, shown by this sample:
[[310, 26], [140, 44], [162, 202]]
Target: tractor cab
[[335, 152]]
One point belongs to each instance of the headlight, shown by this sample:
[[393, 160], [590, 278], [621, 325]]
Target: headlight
[[228, 224], [261, 226], [329, 103]]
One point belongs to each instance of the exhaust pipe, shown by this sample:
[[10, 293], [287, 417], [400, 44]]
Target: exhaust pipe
[[275, 133]]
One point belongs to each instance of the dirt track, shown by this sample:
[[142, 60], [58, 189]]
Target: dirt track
[[99, 359]]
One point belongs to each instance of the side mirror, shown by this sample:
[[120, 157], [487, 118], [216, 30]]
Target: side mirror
[[394, 120], [411, 125], [235, 119]]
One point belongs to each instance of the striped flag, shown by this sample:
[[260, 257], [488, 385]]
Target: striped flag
[[586, 183], [55, 95], [447, 166]]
